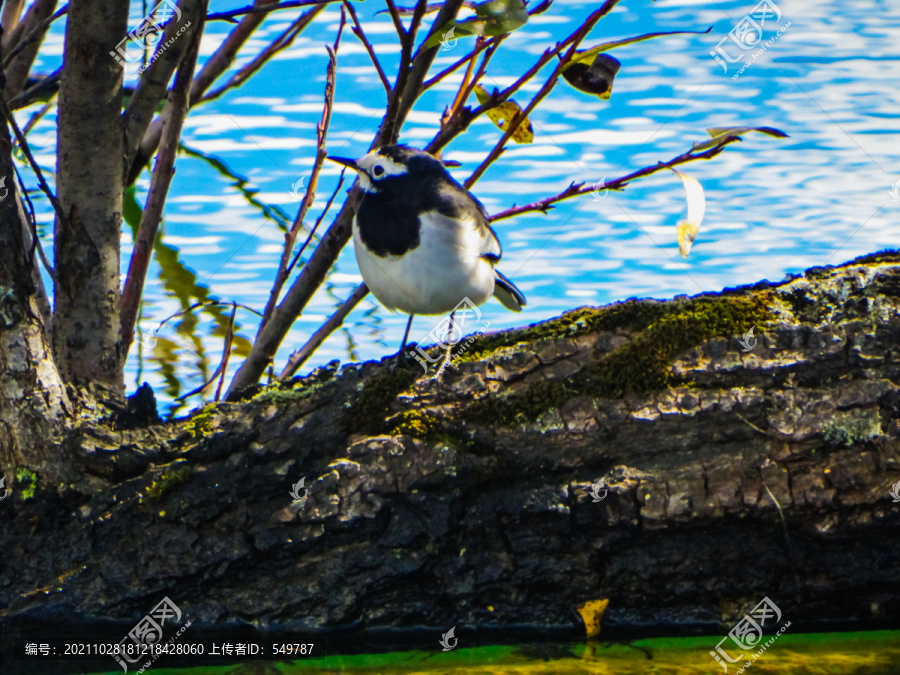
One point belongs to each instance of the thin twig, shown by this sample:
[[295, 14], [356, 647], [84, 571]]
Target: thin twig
[[263, 9], [280, 43], [577, 189], [35, 239], [299, 357], [26, 150], [34, 35], [461, 121], [359, 33], [315, 227], [479, 47], [174, 115], [542, 93], [395, 17], [290, 237]]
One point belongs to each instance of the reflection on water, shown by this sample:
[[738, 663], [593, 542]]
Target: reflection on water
[[774, 206]]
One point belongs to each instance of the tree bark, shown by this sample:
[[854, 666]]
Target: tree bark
[[86, 340], [33, 400], [737, 466]]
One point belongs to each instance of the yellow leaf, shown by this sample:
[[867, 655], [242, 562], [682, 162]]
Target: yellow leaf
[[591, 613], [503, 114], [696, 208]]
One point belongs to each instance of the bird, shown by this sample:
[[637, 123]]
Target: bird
[[423, 242]]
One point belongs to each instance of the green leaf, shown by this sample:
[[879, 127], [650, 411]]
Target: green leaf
[[721, 134], [588, 55], [494, 17], [502, 115], [596, 78]]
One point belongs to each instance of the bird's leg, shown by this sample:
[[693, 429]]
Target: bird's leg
[[449, 348], [403, 357]]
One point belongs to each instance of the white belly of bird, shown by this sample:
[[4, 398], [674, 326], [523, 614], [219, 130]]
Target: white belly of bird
[[434, 277]]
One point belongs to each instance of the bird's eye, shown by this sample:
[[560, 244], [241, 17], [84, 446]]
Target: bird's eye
[[377, 170]]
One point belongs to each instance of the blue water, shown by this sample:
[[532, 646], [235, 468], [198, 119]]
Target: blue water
[[774, 206]]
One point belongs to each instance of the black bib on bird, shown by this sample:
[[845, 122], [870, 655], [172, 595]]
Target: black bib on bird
[[388, 217]]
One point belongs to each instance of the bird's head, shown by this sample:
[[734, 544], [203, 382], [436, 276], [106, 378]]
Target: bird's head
[[390, 162]]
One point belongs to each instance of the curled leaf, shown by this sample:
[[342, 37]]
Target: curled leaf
[[494, 17], [503, 114], [594, 78], [591, 612], [720, 134], [696, 208]]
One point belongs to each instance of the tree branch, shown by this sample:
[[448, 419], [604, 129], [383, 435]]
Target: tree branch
[[154, 81], [173, 116], [299, 357], [317, 267], [359, 33], [281, 42], [290, 237], [18, 67], [577, 189], [263, 8]]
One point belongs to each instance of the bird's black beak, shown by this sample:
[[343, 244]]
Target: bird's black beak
[[350, 163]]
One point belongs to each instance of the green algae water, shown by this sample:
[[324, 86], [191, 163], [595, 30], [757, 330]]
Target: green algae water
[[869, 653]]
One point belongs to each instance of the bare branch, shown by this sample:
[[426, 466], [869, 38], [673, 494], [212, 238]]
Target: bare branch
[[395, 17], [480, 46], [18, 68], [36, 33], [335, 238], [315, 227], [290, 237], [464, 117], [264, 8], [154, 81], [173, 116], [299, 357], [522, 115], [577, 189], [214, 67], [26, 150], [281, 42], [359, 33]]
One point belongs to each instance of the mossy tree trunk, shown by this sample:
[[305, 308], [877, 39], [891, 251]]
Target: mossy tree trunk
[[734, 472]]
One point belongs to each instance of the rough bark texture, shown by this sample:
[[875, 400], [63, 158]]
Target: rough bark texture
[[32, 396], [86, 340], [731, 476]]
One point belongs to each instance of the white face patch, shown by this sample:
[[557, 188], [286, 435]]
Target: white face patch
[[373, 167]]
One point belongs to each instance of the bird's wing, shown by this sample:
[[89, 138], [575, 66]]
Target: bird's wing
[[474, 212]]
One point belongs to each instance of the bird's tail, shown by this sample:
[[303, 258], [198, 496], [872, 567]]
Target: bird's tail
[[507, 293]]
